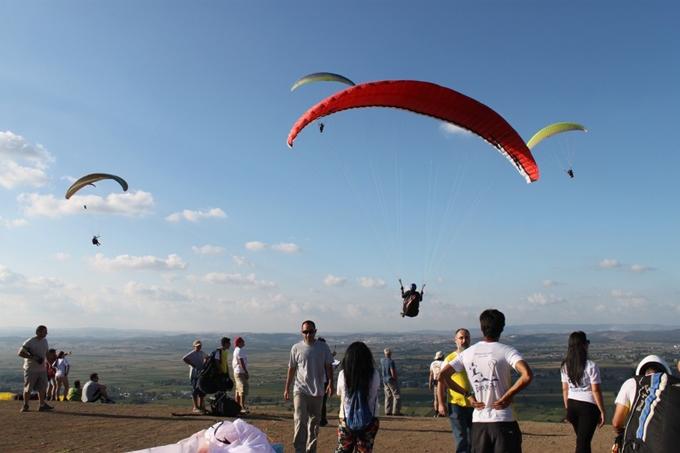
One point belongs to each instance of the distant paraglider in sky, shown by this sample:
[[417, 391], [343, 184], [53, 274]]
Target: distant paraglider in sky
[[321, 77], [89, 180], [553, 129], [431, 100]]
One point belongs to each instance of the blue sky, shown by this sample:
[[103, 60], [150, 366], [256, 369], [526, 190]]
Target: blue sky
[[224, 227]]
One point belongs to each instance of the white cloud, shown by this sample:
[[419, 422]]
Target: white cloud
[[332, 280], [452, 129], [371, 282], [639, 268], [61, 256], [208, 249], [542, 300], [13, 223], [628, 299], [550, 283], [241, 261], [34, 161], [286, 247], [609, 263], [237, 279], [195, 216], [68, 178], [172, 262], [255, 246], [128, 204]]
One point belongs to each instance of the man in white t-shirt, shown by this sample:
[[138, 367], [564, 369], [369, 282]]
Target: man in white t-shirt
[[489, 365], [241, 376], [34, 352]]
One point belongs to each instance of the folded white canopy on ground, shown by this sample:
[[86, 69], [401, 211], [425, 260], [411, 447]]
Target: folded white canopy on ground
[[223, 437]]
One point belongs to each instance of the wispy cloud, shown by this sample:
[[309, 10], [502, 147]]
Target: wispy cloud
[[542, 300], [241, 261], [196, 216], [208, 249], [333, 280], [132, 204], [628, 299], [122, 262], [12, 223], [609, 263], [550, 283], [282, 247], [451, 129], [61, 256], [639, 268], [237, 279], [21, 162], [371, 282]]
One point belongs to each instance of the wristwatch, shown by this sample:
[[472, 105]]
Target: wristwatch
[[469, 394]]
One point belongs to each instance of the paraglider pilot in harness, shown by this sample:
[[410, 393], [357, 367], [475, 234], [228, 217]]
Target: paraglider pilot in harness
[[412, 299], [95, 240], [570, 172]]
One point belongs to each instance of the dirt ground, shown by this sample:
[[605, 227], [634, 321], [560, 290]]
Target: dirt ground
[[78, 427]]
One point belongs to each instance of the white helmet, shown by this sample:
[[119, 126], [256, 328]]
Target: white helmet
[[652, 359]]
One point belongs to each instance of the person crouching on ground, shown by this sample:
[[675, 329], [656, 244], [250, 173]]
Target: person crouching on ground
[[94, 391], [75, 393], [358, 384]]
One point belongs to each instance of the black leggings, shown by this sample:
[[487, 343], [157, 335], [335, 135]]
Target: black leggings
[[584, 417]]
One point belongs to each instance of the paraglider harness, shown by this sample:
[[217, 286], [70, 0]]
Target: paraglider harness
[[412, 299], [653, 424], [224, 406], [211, 379]]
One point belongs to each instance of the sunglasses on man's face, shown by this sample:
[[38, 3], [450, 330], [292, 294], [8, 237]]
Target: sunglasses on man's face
[[308, 332]]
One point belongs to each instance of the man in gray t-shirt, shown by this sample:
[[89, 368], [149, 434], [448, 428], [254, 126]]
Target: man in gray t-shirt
[[34, 352], [309, 366]]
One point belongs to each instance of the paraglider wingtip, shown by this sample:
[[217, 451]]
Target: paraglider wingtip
[[290, 145]]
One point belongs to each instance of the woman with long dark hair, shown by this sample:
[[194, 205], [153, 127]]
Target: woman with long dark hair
[[358, 384], [581, 391]]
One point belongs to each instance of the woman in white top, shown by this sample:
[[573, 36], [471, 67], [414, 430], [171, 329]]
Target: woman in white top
[[63, 368], [581, 391], [358, 384]]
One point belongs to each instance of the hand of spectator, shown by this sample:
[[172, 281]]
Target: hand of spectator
[[40, 360], [286, 396], [502, 403], [602, 417], [442, 410], [477, 404]]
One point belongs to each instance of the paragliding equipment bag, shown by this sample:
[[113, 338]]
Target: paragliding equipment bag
[[653, 424], [412, 305], [358, 414], [211, 379], [224, 406]]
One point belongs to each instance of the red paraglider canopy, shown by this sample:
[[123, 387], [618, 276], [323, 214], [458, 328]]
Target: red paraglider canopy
[[432, 100]]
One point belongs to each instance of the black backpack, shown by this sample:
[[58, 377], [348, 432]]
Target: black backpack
[[223, 406], [653, 424], [412, 304], [211, 379]]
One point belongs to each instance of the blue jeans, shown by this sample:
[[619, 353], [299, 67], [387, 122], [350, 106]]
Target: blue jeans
[[461, 423]]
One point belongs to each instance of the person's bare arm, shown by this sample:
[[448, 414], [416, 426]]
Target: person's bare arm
[[525, 378], [597, 394], [329, 379], [445, 380], [565, 393], [289, 379], [619, 419], [430, 380]]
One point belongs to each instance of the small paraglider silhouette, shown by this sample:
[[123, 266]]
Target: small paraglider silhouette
[[321, 127], [95, 240], [570, 172]]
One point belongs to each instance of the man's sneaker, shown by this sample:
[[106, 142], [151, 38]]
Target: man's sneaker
[[24, 408], [45, 407]]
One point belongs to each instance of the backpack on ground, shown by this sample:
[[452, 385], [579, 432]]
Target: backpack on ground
[[358, 414], [653, 424], [211, 379], [224, 406]]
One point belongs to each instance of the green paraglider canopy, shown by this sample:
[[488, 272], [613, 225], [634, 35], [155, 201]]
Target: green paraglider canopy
[[321, 77], [553, 129], [91, 179]]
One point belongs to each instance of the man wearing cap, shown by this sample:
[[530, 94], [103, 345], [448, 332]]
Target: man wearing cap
[[435, 367], [390, 384], [240, 365], [195, 359]]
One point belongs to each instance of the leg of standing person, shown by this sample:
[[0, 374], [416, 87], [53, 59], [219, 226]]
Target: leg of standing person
[[366, 438], [388, 399], [300, 420], [396, 396], [324, 419], [504, 437], [314, 410], [584, 417], [460, 419]]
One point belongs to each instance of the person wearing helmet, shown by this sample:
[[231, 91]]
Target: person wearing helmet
[[95, 241], [626, 396]]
